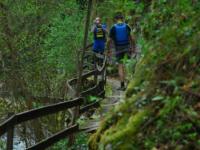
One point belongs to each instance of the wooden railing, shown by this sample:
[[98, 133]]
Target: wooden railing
[[36, 113], [14, 120], [97, 90]]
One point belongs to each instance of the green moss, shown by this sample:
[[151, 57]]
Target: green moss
[[144, 74], [125, 129], [119, 132], [169, 66]]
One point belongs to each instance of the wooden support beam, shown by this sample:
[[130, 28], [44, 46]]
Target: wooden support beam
[[10, 135], [80, 67]]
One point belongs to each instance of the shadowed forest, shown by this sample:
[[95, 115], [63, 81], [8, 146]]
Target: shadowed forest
[[49, 71]]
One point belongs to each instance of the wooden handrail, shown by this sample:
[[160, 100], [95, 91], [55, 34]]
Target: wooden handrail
[[54, 138], [89, 106], [90, 91], [36, 113], [97, 90], [84, 76]]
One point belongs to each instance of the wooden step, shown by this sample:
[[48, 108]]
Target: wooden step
[[106, 108], [111, 100], [90, 126]]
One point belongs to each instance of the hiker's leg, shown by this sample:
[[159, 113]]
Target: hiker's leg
[[121, 71]]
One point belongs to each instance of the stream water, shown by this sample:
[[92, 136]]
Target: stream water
[[18, 144]]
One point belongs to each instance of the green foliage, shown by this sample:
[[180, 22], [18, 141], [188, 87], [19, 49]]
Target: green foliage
[[125, 6], [168, 36], [80, 143], [37, 56], [2, 145], [39, 40], [92, 99]]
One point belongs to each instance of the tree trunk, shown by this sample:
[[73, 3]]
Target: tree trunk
[[80, 68]]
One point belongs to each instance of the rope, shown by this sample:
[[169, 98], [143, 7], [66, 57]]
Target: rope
[[100, 57]]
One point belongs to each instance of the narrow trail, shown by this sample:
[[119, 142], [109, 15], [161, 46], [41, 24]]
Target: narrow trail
[[112, 98]]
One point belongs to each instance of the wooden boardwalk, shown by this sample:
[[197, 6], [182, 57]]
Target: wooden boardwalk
[[108, 103]]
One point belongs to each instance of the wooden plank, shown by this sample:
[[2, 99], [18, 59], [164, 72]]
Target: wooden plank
[[91, 130], [54, 138], [52, 99], [101, 94], [89, 106], [91, 125], [36, 113], [84, 76], [10, 135], [88, 74], [95, 90], [90, 91], [106, 108]]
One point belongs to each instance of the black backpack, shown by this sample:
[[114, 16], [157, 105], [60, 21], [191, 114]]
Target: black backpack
[[99, 33]]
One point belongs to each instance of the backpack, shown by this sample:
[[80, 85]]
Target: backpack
[[99, 33], [121, 34]]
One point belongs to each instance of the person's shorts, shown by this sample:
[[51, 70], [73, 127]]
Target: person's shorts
[[122, 53], [99, 46]]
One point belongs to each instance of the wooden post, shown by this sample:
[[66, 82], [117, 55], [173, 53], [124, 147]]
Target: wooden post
[[80, 67], [10, 135], [80, 64], [95, 67]]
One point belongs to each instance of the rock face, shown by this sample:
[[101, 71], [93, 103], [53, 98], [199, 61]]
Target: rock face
[[161, 108]]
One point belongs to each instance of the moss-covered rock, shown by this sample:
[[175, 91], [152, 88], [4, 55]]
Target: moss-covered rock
[[161, 109]]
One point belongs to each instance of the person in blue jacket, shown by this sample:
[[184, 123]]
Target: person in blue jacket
[[120, 36], [99, 33]]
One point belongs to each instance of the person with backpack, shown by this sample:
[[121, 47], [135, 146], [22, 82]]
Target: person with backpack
[[120, 36], [99, 33]]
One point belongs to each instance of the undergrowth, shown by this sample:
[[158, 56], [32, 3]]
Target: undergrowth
[[162, 107]]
